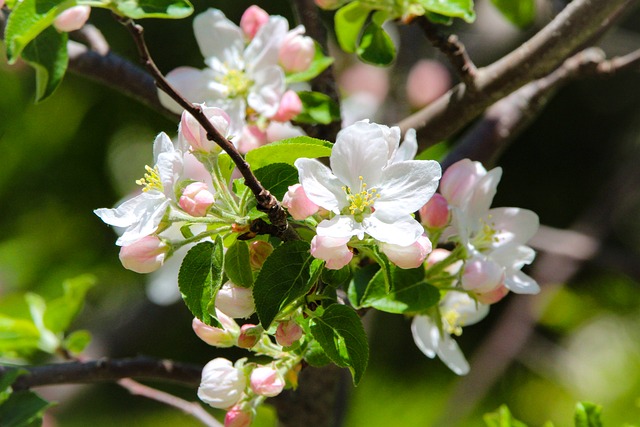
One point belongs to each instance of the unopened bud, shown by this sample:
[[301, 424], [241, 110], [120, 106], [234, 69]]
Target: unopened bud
[[249, 335], [144, 255], [298, 204], [290, 106], [218, 337], [482, 275], [459, 180], [235, 301], [193, 134], [329, 4], [493, 296], [333, 250], [411, 256], [267, 381], [222, 384], [236, 417], [252, 20], [196, 199], [435, 214], [259, 251], [288, 332], [72, 19], [297, 51]]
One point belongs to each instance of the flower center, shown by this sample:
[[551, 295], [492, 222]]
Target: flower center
[[486, 236], [151, 180], [237, 82], [361, 202], [451, 322]]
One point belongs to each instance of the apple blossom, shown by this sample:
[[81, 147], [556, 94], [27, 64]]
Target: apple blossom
[[297, 51], [482, 275], [266, 381], [72, 19], [411, 256], [252, 20], [235, 301], [222, 384], [194, 135], [290, 106], [371, 187], [237, 417], [333, 250], [141, 215], [144, 255], [435, 214], [218, 337], [457, 309], [196, 199], [287, 333], [297, 203], [249, 335], [251, 137]]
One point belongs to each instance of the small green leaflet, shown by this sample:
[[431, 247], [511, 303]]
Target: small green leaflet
[[340, 333], [375, 46], [200, 278], [349, 21], [288, 151], [453, 8], [77, 341], [237, 265], [277, 177], [317, 108], [587, 415], [22, 409], [520, 13], [62, 310], [502, 418], [168, 9], [47, 54]]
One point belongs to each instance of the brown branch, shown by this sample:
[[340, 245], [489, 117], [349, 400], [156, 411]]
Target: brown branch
[[107, 370], [537, 57], [453, 49], [191, 408]]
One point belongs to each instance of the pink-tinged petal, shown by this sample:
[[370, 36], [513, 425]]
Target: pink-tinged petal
[[403, 232], [320, 185], [483, 193], [513, 224], [218, 37], [411, 256], [267, 91], [190, 82], [263, 50], [425, 335], [340, 226], [520, 283], [406, 187], [334, 251], [458, 181]]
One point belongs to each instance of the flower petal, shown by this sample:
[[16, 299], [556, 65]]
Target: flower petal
[[340, 226], [518, 282], [426, 335], [408, 149], [451, 355], [320, 185], [513, 224], [263, 50], [483, 192], [403, 232], [267, 90], [192, 83], [219, 37]]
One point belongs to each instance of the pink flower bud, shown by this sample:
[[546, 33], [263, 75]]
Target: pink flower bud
[[435, 214], [459, 180], [332, 250], [426, 82], [249, 335], [196, 199], [493, 296], [72, 19], [252, 137], [259, 251], [290, 106], [297, 51], [411, 256], [222, 384], [482, 275], [252, 20], [288, 332], [236, 417], [218, 337], [266, 381], [439, 254], [195, 136], [144, 255], [329, 4], [298, 204], [235, 301]]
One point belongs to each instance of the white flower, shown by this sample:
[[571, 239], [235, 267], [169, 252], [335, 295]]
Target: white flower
[[372, 187], [458, 309], [222, 384], [142, 214]]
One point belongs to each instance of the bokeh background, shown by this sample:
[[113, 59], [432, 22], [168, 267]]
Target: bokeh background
[[576, 166]]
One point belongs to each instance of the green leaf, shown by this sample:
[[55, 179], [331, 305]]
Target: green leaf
[[360, 282], [410, 294], [49, 342], [47, 54], [169, 9], [61, 311], [341, 335], [453, 8], [226, 166], [277, 177], [436, 18], [285, 276], [349, 21], [28, 19], [315, 355], [318, 65], [587, 415], [337, 278], [376, 46], [502, 418], [77, 341], [288, 151], [520, 13], [6, 380], [200, 277], [22, 409], [436, 152], [317, 108], [17, 336], [237, 266]]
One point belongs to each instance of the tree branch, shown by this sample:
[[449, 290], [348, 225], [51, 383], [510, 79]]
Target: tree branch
[[540, 55]]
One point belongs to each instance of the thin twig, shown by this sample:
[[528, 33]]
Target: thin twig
[[192, 408]]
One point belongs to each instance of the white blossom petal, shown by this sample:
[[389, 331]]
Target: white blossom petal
[[321, 186], [267, 90], [263, 50], [513, 224], [340, 226], [403, 232], [218, 37], [518, 282], [483, 193], [190, 82], [426, 335], [452, 356], [408, 149]]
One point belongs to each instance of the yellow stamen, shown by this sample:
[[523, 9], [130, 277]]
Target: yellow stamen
[[151, 180]]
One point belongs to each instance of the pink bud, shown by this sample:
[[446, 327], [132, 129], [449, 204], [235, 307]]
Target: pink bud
[[297, 51], [218, 337], [435, 214], [236, 417], [459, 180], [333, 250], [196, 199], [266, 381], [194, 135], [235, 301], [249, 335], [290, 106], [329, 4], [288, 332], [259, 251], [482, 275], [144, 255], [439, 254], [427, 81], [252, 137], [72, 19], [411, 256], [298, 204], [252, 20], [493, 296]]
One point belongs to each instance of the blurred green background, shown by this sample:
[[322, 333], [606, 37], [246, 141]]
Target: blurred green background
[[83, 149]]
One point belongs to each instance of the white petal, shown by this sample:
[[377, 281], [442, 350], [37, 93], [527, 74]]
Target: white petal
[[520, 283], [263, 50], [267, 90], [451, 355], [513, 224], [406, 187], [513, 256], [219, 37], [426, 335], [392, 138], [483, 193], [162, 144], [236, 108], [403, 232], [469, 310], [190, 83], [340, 226], [320, 185], [409, 147]]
